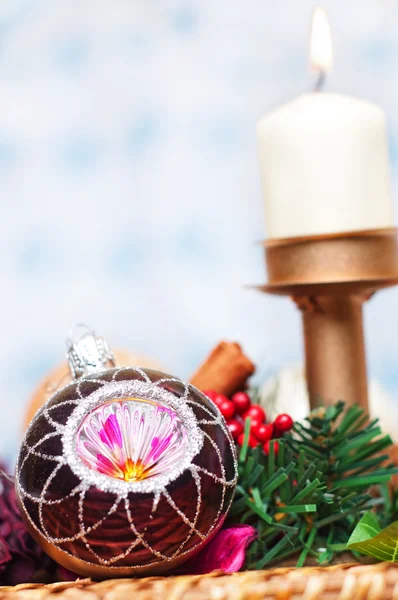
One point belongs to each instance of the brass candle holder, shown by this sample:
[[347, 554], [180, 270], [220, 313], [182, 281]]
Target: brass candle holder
[[329, 277]]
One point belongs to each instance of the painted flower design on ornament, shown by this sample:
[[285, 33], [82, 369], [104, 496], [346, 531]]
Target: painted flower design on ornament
[[131, 439]]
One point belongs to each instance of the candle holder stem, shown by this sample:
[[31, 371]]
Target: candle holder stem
[[335, 361], [330, 277]]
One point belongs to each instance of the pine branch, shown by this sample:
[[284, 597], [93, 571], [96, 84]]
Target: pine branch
[[307, 498]]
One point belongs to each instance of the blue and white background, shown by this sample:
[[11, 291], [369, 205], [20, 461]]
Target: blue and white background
[[129, 185]]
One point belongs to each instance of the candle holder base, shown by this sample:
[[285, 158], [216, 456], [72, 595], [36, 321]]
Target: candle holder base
[[329, 277]]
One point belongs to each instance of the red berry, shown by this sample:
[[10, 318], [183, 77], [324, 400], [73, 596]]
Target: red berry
[[227, 409], [267, 444], [283, 422], [235, 428], [210, 394], [242, 402], [254, 423], [263, 432], [219, 399], [255, 412], [252, 440]]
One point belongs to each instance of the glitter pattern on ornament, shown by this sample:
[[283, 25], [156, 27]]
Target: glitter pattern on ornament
[[126, 471]]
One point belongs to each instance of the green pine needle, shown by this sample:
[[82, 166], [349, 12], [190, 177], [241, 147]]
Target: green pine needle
[[307, 498]]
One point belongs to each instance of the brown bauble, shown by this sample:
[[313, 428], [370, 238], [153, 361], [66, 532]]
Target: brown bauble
[[125, 472], [61, 376]]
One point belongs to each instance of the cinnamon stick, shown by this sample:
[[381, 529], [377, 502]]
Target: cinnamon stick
[[225, 370]]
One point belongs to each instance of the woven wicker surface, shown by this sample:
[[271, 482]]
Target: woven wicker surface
[[342, 582]]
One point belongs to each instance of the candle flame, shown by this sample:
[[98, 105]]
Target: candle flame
[[321, 50]]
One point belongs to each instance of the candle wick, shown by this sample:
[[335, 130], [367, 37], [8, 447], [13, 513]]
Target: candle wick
[[320, 81]]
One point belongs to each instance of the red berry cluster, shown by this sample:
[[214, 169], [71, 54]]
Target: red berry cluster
[[238, 408]]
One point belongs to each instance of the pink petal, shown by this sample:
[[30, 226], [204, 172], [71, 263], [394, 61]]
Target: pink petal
[[158, 447], [104, 465], [226, 552], [111, 434]]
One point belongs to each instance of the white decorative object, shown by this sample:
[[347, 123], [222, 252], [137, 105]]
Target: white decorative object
[[286, 391]]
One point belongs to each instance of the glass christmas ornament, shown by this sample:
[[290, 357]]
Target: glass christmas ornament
[[124, 471]]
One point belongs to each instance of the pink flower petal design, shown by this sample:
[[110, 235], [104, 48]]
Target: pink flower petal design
[[131, 439], [226, 552], [111, 434], [104, 465]]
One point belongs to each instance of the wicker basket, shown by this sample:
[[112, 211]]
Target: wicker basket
[[340, 582]]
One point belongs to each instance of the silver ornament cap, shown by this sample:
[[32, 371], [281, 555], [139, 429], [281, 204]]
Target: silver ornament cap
[[89, 354]]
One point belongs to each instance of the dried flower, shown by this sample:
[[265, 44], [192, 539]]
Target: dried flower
[[21, 559], [226, 552]]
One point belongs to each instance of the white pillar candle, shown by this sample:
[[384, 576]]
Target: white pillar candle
[[324, 165]]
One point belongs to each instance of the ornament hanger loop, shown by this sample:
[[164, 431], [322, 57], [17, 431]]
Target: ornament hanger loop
[[87, 353]]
